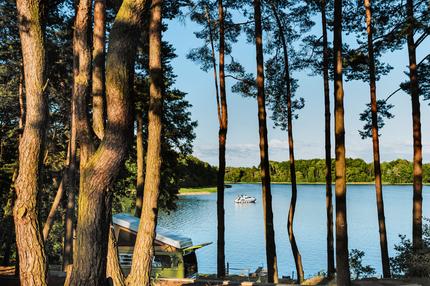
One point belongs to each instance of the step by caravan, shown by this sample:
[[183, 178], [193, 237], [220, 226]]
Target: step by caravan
[[174, 255]]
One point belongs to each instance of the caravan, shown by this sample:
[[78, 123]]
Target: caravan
[[174, 255]]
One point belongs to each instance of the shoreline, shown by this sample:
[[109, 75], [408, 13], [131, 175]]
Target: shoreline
[[211, 190]]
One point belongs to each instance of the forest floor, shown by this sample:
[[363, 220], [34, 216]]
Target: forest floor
[[8, 278]]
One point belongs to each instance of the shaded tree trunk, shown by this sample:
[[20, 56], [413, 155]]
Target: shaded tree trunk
[[29, 240], [143, 249], [52, 211], [114, 272], [292, 238], [103, 166], [328, 178], [98, 79], [342, 261], [375, 141], [417, 212], [140, 176], [272, 267], [222, 137]]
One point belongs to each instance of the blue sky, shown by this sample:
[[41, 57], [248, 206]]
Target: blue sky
[[242, 138]]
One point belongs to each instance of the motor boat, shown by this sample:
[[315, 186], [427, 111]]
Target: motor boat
[[244, 199]]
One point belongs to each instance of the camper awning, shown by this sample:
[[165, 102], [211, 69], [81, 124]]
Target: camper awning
[[131, 223]]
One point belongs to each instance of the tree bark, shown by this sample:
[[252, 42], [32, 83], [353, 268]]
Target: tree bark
[[375, 141], [103, 166], [140, 273], [328, 178], [140, 151], [272, 267], [294, 247], [29, 240], [342, 261], [222, 137], [52, 211], [114, 272], [417, 228], [82, 78], [98, 79]]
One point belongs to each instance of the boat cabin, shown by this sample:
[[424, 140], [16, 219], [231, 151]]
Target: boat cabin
[[174, 255]]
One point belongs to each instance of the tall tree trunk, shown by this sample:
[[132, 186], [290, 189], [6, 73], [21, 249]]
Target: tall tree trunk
[[375, 140], [342, 261], [222, 137], [140, 180], [69, 184], [103, 166], [417, 212], [292, 238], [272, 265], [52, 211], [21, 97], [98, 82], [143, 250], [328, 178], [82, 78], [33, 268]]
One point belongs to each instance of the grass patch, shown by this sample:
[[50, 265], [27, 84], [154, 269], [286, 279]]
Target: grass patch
[[197, 190]]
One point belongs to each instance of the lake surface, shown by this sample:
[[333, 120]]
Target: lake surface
[[245, 246]]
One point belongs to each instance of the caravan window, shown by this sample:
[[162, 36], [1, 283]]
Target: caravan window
[[162, 261], [126, 238]]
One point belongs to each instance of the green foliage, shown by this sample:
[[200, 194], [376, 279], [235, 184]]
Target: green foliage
[[313, 171], [408, 263], [366, 116], [358, 270], [196, 173]]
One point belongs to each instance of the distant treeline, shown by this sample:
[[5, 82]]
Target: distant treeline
[[195, 173], [313, 171]]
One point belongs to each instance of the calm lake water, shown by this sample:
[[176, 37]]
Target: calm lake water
[[245, 246]]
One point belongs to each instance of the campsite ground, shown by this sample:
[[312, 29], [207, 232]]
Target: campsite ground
[[7, 278]]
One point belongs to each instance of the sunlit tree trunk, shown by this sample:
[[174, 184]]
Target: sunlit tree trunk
[[375, 140], [98, 173], [272, 265], [342, 261], [291, 212], [222, 137], [143, 249], [29, 240], [98, 83], [140, 176], [328, 178], [417, 212]]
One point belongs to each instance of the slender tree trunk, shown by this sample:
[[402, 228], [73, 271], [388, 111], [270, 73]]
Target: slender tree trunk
[[294, 247], [98, 79], [417, 229], [328, 178], [70, 189], [103, 166], [222, 137], [21, 101], [143, 249], [140, 180], [52, 211], [29, 240], [342, 261], [211, 40], [272, 265], [375, 140]]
